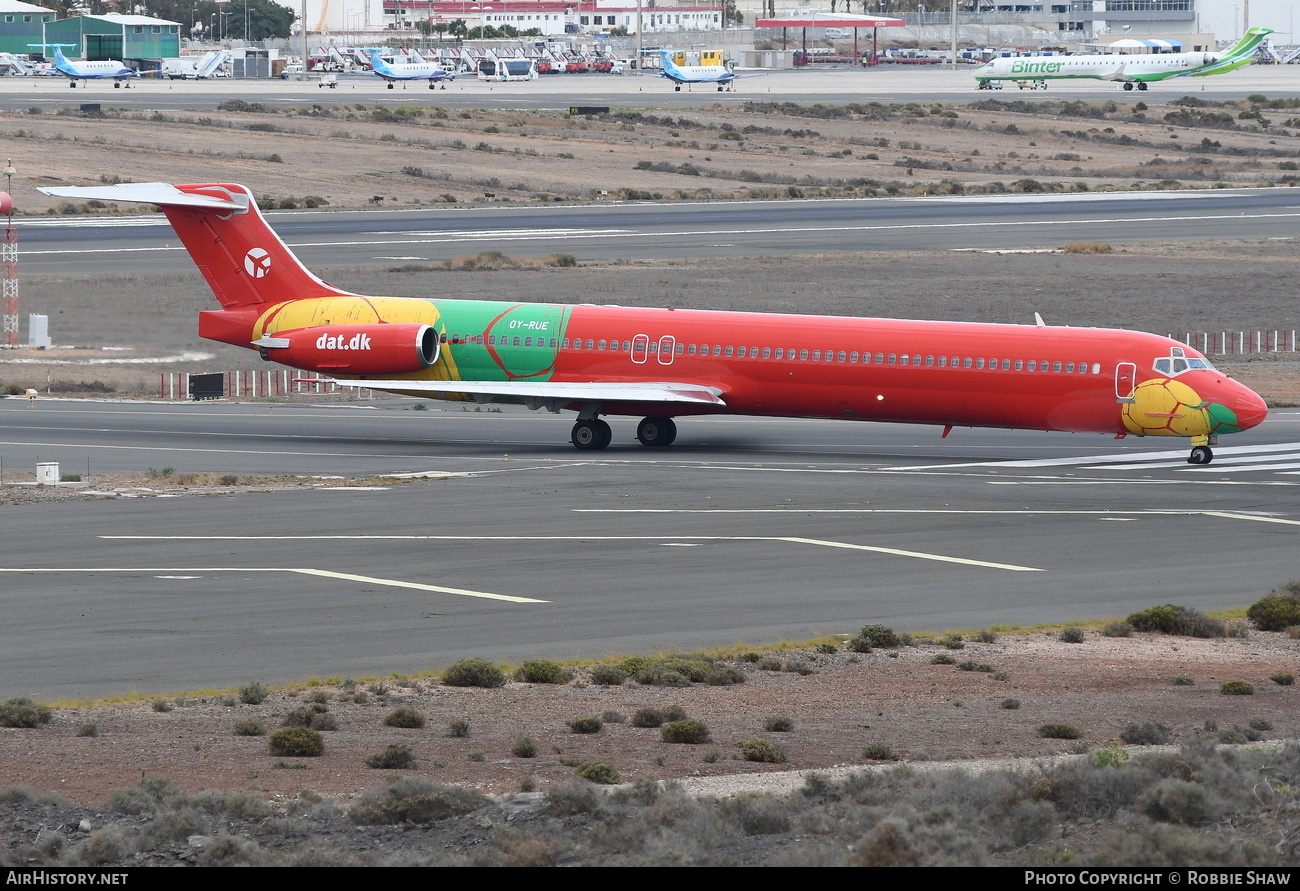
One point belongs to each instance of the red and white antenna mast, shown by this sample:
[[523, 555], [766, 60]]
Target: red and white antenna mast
[[9, 260]]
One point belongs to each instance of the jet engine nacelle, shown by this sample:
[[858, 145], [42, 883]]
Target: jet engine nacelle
[[354, 349]]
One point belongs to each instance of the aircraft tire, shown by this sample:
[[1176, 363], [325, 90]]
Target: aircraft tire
[[390, 85], [1201, 455], [1142, 86], [117, 85], [1128, 85], [656, 431], [72, 84], [591, 435]]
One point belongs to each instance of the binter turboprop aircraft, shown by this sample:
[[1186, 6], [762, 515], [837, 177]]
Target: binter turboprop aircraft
[[430, 71], [662, 364], [75, 71], [711, 70], [1139, 69]]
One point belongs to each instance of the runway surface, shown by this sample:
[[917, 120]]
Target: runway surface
[[517, 546], [382, 238]]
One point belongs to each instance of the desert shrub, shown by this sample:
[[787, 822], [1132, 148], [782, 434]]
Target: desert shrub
[[1059, 731], [770, 663], [860, 644], [473, 673], [1263, 724], [1117, 628], [88, 730], [968, 665], [1170, 618], [303, 715], [250, 728], [572, 798], [1179, 801], [404, 717], [673, 713], [943, 659], [952, 642], [20, 711], [762, 750], [611, 716], [1086, 247], [724, 676], [686, 731], [662, 676], [297, 742], [1237, 688], [1279, 610], [988, 636], [880, 636], [415, 800], [608, 675], [1070, 634], [879, 752], [1010, 703], [542, 671], [151, 795], [599, 772], [254, 693], [756, 813], [324, 721], [779, 724], [1182, 681], [647, 717], [1148, 733], [827, 649], [524, 748], [585, 724], [392, 758], [458, 729], [1282, 678]]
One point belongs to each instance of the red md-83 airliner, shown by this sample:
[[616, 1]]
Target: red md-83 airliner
[[667, 363]]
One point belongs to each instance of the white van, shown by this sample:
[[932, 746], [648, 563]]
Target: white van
[[836, 34]]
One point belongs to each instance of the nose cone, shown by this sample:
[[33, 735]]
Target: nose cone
[[1250, 409]]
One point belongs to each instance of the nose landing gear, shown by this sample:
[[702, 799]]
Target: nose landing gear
[[1201, 451]]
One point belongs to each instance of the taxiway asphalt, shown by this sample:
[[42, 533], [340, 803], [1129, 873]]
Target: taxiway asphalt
[[517, 546]]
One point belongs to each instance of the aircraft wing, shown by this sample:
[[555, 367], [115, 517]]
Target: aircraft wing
[[536, 394], [1116, 74]]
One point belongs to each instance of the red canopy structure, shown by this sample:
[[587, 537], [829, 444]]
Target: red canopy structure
[[824, 20]]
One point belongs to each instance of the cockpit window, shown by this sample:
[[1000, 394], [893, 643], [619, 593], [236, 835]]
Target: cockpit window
[[1177, 362]]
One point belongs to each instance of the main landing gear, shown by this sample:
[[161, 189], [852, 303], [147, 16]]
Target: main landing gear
[[1142, 85], [656, 431], [591, 435]]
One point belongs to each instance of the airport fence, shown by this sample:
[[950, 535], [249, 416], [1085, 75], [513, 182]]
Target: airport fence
[[1239, 343], [245, 384]]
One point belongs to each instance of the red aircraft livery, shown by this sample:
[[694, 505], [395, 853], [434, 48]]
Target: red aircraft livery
[[666, 363]]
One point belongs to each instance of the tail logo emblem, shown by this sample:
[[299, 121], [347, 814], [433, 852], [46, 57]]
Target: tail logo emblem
[[257, 262]]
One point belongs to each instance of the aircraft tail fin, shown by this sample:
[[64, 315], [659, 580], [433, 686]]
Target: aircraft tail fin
[[243, 261], [1247, 45]]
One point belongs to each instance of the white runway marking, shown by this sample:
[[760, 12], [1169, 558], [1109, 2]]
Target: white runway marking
[[324, 573], [658, 539]]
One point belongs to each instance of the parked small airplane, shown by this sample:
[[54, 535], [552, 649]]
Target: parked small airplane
[[1139, 69], [665, 363], [109, 68], [430, 71], [711, 70]]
